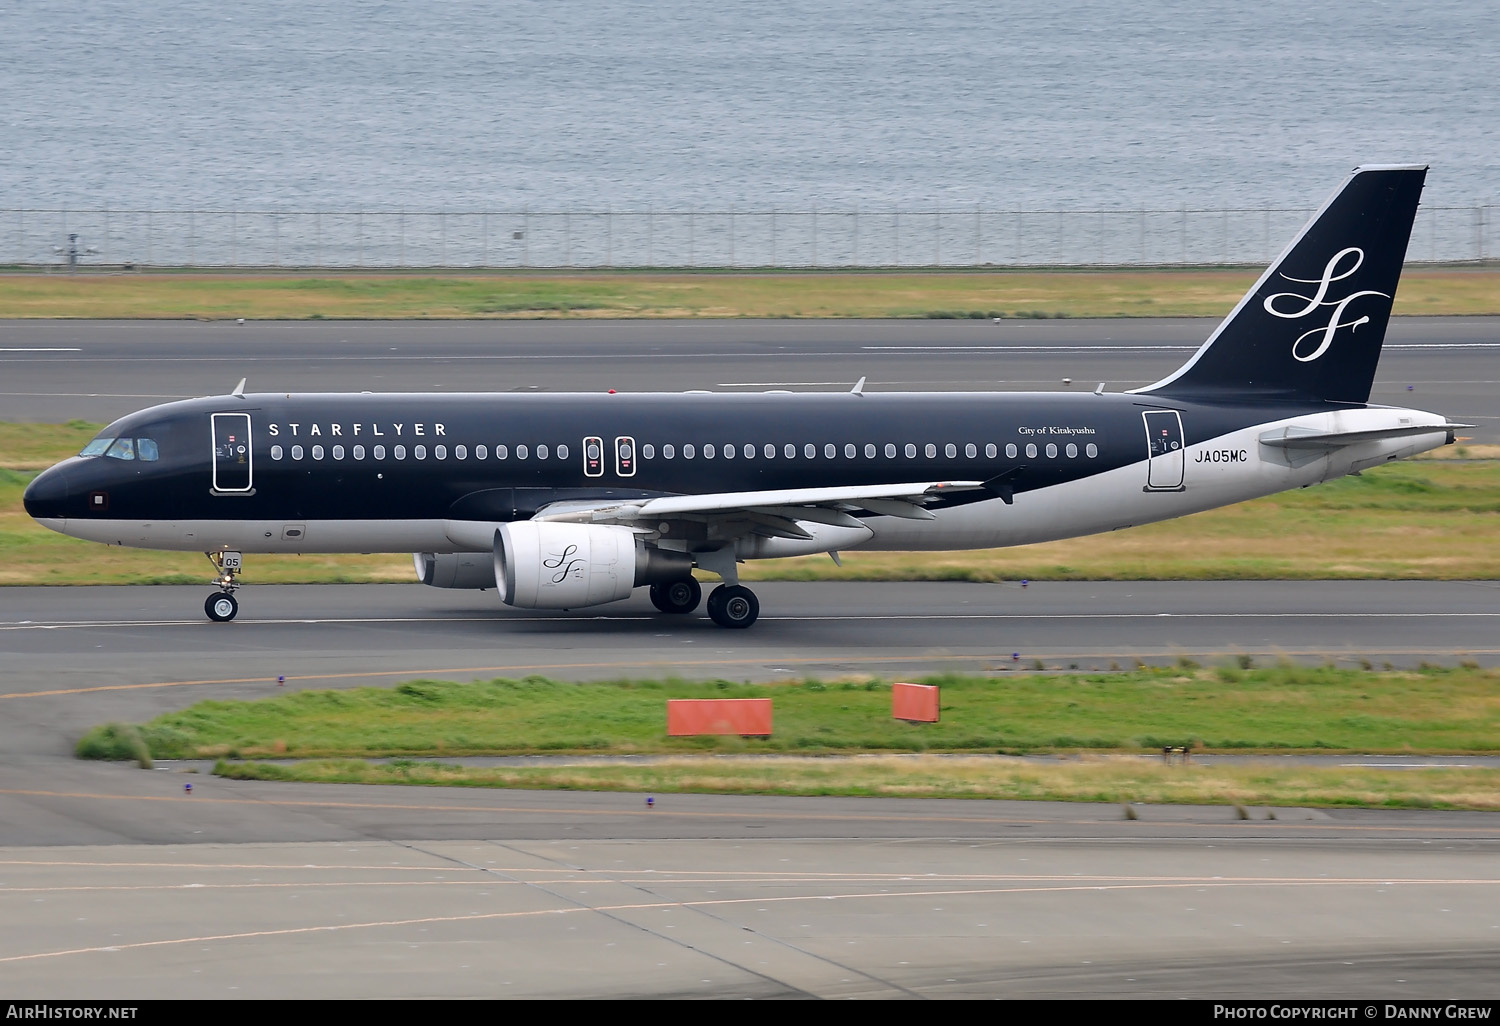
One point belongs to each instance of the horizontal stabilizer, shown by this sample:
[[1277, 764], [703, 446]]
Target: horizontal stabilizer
[[1307, 438]]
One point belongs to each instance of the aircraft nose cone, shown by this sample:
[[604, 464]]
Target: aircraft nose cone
[[46, 498]]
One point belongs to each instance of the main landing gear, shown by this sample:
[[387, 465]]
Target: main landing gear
[[732, 605], [680, 596], [223, 606], [729, 605]]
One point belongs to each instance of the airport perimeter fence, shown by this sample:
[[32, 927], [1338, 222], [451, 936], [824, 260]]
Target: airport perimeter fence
[[583, 240]]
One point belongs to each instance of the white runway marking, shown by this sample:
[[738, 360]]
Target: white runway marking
[[23, 625]]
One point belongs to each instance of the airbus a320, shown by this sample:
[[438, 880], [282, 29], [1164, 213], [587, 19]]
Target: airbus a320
[[575, 500]]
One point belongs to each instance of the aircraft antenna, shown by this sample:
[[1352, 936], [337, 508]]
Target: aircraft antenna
[[239, 390]]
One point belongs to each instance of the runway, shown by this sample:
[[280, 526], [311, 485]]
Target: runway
[[117, 883], [54, 371]]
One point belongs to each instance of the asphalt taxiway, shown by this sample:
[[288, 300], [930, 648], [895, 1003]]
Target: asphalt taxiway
[[117, 882], [98, 370]]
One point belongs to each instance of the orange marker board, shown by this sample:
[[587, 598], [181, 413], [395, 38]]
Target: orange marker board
[[743, 716], [917, 702]]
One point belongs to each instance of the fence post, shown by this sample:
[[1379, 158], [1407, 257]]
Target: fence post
[[731, 239], [773, 236], [815, 237], [937, 237], [609, 238], [691, 227]]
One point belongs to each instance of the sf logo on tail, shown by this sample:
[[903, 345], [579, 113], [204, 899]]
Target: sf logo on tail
[[1331, 274]]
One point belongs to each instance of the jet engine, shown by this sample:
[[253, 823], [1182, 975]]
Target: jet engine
[[455, 569], [545, 565]]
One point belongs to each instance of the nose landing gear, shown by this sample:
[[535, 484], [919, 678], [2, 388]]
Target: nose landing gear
[[223, 607]]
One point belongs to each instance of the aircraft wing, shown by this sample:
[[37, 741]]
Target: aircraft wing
[[773, 511]]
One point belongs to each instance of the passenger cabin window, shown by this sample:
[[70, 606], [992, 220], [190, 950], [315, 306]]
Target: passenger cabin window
[[989, 450], [276, 452], [911, 451], [379, 452], [481, 452], [359, 452], [439, 452], [890, 450], [338, 452], [810, 451], [562, 452]]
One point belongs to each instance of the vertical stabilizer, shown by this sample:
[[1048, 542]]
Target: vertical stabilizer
[[1312, 326]]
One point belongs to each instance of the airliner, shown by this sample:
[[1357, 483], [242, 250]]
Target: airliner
[[563, 501]]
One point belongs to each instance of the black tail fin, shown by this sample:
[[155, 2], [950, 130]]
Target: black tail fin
[[1312, 326]]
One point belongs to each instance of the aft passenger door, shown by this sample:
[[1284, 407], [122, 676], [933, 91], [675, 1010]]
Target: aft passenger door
[[1166, 457]]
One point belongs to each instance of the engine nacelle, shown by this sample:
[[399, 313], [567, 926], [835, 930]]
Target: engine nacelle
[[455, 569], [543, 565]]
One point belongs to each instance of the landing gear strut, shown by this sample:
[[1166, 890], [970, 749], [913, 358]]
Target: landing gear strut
[[681, 596], [731, 605], [223, 606]]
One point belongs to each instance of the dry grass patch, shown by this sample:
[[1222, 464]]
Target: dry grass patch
[[1062, 293], [1145, 780]]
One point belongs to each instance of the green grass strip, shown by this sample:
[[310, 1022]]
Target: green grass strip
[[1282, 708]]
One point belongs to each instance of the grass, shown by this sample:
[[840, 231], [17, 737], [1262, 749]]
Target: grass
[[1279, 708], [1105, 722], [979, 294], [1085, 779], [1432, 519]]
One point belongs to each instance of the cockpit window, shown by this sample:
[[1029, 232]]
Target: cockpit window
[[124, 449]]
